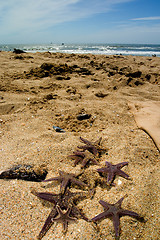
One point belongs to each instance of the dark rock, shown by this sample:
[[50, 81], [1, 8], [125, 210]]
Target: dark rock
[[25, 172], [83, 116], [136, 74], [18, 51]]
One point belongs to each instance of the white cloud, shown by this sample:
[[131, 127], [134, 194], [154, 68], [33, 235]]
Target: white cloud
[[20, 16], [147, 18]]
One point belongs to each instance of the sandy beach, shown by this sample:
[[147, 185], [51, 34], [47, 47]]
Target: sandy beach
[[42, 90]]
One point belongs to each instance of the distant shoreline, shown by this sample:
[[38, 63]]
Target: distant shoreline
[[101, 49]]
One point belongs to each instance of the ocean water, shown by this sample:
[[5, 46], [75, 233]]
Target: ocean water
[[107, 49]]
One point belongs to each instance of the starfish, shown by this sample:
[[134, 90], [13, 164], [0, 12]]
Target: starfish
[[63, 217], [85, 157], [64, 201], [66, 179], [93, 147], [115, 211], [113, 170]]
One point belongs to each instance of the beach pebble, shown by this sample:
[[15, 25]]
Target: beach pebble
[[83, 116], [58, 129]]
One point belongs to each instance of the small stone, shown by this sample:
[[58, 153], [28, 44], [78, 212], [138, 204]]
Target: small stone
[[83, 116], [58, 129], [119, 182]]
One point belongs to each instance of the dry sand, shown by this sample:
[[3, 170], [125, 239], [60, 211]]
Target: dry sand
[[33, 99]]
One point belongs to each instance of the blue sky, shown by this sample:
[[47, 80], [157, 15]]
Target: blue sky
[[80, 21]]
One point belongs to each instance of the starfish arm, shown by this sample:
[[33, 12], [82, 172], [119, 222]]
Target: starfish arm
[[65, 226], [85, 161], [76, 212], [122, 174], [85, 141], [52, 179], [129, 213], [79, 153], [108, 164], [104, 204], [118, 204], [116, 224], [94, 151], [78, 159], [64, 218], [83, 147], [98, 141], [101, 216], [122, 164], [50, 197], [89, 146], [48, 224], [110, 177], [94, 161], [64, 184], [78, 182], [102, 170]]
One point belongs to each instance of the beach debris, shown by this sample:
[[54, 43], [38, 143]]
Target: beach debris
[[25, 172], [83, 116], [101, 94], [58, 129], [18, 51]]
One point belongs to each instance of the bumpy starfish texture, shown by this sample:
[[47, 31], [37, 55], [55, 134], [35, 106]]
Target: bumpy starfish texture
[[113, 170], [94, 147], [64, 201], [85, 157], [66, 179], [63, 217], [115, 211]]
